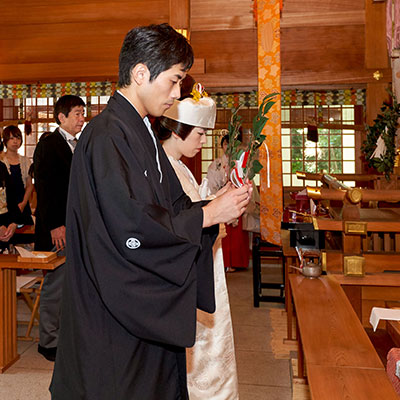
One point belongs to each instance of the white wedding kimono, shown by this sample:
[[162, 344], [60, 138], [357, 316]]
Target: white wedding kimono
[[211, 363]]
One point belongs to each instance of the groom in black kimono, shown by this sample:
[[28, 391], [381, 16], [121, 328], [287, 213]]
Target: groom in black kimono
[[139, 256]]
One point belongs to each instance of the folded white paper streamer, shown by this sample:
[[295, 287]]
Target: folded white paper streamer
[[27, 254], [378, 313]]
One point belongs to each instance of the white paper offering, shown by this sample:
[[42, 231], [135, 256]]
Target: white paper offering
[[27, 254], [378, 313]]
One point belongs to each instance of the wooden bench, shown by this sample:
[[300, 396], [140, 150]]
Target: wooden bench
[[334, 343]]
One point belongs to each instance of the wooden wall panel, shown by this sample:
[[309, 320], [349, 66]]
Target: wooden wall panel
[[46, 12], [210, 15], [293, 6], [230, 57], [335, 18], [333, 48], [322, 42], [69, 40]]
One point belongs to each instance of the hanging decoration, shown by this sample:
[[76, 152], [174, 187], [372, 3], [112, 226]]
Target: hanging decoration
[[380, 145], [269, 77], [55, 90]]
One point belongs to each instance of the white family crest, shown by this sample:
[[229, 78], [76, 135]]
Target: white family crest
[[133, 243]]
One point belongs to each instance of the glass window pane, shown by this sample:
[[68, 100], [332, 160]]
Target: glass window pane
[[310, 153], [285, 140], [336, 153], [296, 181], [336, 167], [286, 166], [323, 154], [335, 115], [310, 166], [309, 113], [350, 183], [297, 154], [348, 114], [349, 167], [323, 166], [286, 180], [207, 154], [296, 114], [297, 166], [297, 140], [335, 140], [349, 154], [348, 141], [204, 165], [285, 114], [285, 154], [323, 141], [285, 131]]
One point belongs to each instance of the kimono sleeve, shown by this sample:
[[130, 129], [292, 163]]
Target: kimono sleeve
[[132, 247]]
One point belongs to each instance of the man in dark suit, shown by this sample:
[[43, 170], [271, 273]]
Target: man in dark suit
[[52, 163]]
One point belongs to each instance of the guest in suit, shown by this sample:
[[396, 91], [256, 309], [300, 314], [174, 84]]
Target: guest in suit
[[52, 163]]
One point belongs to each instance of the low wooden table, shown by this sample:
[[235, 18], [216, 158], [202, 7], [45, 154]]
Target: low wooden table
[[331, 333], [341, 360], [338, 383], [8, 304]]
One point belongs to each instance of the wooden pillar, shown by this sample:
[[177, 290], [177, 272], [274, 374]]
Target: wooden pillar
[[179, 14], [376, 95], [376, 56]]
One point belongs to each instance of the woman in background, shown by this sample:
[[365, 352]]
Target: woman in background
[[211, 363], [18, 168], [235, 244], [9, 214]]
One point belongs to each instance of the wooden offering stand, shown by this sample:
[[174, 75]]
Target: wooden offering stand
[[8, 303]]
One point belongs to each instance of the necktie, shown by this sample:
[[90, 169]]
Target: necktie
[[73, 142]]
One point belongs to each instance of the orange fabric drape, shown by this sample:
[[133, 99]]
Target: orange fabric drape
[[269, 75]]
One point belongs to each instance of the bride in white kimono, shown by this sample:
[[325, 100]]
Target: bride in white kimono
[[211, 363]]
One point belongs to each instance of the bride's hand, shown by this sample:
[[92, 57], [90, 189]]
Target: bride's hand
[[224, 189]]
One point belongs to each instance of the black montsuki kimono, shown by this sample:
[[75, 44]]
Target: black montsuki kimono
[[138, 264]]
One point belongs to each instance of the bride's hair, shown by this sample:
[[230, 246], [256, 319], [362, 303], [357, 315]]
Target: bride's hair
[[164, 127]]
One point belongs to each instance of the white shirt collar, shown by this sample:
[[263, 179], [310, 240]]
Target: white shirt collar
[[67, 135], [148, 126]]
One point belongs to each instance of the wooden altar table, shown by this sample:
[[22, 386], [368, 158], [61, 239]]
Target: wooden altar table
[[8, 304]]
